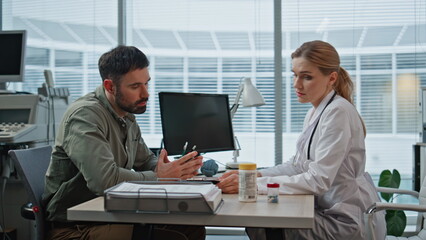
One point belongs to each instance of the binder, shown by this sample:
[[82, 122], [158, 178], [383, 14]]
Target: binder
[[164, 197]]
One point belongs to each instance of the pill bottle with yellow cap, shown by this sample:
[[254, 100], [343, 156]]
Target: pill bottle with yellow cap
[[247, 189]]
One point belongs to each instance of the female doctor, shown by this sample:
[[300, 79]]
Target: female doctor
[[330, 157]]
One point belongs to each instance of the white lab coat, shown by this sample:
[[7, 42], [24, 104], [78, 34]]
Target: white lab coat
[[335, 174]]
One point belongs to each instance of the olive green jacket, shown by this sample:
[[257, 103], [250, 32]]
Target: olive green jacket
[[94, 150]]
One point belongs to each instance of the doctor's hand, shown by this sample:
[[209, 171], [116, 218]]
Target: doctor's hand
[[183, 168], [229, 182]]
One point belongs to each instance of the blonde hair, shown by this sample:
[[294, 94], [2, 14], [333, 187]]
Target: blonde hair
[[326, 58]]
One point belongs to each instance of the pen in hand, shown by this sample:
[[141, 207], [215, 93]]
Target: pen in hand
[[185, 146], [184, 149], [193, 149]]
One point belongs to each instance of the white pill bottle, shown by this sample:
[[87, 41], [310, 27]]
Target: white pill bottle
[[247, 189]]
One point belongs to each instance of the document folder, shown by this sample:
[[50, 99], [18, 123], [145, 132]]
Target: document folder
[[164, 197]]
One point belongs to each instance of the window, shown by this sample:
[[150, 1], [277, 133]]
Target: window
[[64, 37], [207, 46], [379, 45]]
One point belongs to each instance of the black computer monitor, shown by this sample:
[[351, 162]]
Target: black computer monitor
[[12, 56], [200, 119]]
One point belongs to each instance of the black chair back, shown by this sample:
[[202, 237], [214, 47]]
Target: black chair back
[[31, 165]]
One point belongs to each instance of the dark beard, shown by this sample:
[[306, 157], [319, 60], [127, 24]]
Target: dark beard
[[131, 108]]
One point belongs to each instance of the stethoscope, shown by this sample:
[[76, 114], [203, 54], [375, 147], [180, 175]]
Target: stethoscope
[[316, 125]]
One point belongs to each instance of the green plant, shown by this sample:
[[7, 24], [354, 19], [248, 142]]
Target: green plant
[[395, 219]]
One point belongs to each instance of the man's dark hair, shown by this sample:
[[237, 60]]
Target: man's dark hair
[[119, 61]]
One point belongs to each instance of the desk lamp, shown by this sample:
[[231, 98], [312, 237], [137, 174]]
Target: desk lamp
[[251, 97]]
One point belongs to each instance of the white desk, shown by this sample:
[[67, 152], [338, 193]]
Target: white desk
[[292, 211]]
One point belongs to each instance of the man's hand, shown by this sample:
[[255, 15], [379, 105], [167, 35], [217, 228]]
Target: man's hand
[[183, 168], [229, 182]]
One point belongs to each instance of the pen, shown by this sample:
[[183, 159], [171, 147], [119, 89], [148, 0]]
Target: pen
[[184, 148], [193, 149], [161, 147]]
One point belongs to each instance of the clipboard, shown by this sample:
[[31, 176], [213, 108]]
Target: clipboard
[[153, 197], [213, 180]]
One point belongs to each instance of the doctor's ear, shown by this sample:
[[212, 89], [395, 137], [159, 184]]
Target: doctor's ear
[[109, 86], [333, 78]]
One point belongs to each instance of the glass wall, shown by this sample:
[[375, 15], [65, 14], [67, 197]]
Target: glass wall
[[207, 46], [381, 45], [64, 36]]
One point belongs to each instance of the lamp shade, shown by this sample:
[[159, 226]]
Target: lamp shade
[[251, 96]]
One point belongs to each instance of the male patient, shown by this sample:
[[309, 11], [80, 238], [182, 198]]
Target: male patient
[[99, 145]]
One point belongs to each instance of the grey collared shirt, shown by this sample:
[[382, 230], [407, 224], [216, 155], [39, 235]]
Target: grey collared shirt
[[94, 149]]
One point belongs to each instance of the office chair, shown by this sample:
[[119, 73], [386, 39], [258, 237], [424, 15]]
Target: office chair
[[31, 165], [420, 233]]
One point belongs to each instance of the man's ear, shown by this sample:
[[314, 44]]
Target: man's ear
[[109, 86]]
